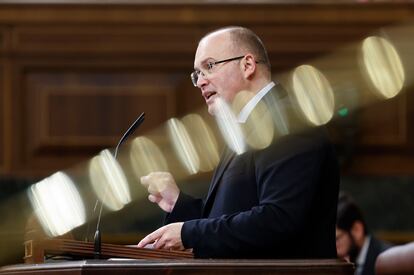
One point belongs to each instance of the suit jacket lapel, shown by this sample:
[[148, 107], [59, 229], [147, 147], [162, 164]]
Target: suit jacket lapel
[[227, 156]]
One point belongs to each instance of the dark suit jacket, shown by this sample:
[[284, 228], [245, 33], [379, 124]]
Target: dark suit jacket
[[374, 249], [278, 202]]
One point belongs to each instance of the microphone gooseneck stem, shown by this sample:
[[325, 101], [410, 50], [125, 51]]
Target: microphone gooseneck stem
[[97, 240], [128, 132], [97, 244]]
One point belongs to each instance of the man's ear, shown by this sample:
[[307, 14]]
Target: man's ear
[[248, 65]]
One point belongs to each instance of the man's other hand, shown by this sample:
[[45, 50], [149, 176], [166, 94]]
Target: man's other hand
[[166, 237], [162, 189]]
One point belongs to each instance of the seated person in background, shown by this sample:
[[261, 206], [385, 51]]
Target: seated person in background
[[353, 241]]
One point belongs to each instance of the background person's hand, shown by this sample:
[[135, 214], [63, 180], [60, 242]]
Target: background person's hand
[[162, 189]]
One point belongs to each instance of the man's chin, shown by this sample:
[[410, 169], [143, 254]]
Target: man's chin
[[216, 106], [212, 109]]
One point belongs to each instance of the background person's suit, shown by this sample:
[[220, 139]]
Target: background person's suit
[[374, 249]]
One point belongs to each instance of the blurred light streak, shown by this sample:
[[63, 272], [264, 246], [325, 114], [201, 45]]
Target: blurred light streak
[[314, 94], [57, 204], [258, 129], [146, 157], [229, 127], [240, 100], [383, 66], [203, 140], [109, 181], [183, 145]]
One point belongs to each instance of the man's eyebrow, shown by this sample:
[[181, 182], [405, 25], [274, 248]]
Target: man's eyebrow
[[205, 61]]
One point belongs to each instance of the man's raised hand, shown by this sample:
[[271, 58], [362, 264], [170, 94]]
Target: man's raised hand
[[162, 189]]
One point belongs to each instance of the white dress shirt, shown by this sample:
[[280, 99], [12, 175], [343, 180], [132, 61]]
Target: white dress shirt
[[360, 260], [248, 108]]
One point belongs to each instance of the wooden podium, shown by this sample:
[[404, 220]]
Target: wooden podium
[[187, 266], [154, 261], [35, 251]]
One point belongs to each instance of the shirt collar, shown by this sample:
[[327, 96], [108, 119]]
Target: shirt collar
[[360, 260], [248, 108]]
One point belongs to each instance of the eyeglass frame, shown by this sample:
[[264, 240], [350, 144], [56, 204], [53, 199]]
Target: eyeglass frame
[[210, 65]]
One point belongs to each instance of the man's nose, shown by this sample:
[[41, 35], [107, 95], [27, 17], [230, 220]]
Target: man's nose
[[201, 80]]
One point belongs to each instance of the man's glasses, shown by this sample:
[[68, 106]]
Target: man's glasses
[[208, 68]]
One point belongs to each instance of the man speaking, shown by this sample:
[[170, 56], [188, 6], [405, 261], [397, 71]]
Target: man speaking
[[277, 202]]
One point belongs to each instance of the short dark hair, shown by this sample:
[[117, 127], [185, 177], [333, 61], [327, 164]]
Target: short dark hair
[[244, 37], [348, 213]]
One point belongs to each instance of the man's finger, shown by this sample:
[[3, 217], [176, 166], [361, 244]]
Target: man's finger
[[151, 237], [144, 181], [146, 241], [154, 199], [160, 243]]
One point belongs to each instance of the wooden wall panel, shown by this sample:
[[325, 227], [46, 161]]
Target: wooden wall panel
[[77, 113], [82, 115], [2, 130], [3, 39], [384, 123], [77, 75], [3, 47]]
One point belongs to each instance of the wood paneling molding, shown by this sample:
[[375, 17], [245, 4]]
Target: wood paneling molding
[[4, 39], [212, 14], [139, 39], [380, 164], [2, 110], [6, 118], [121, 40]]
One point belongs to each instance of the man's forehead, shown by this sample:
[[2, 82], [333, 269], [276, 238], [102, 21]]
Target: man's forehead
[[212, 46], [217, 35]]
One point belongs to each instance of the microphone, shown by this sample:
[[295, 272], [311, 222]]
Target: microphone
[[97, 237], [130, 130]]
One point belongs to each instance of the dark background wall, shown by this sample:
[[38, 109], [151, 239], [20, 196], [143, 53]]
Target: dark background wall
[[387, 204]]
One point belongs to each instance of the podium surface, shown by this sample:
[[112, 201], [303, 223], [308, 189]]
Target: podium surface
[[187, 266]]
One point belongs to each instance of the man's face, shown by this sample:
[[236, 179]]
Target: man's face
[[343, 243], [346, 246], [225, 79]]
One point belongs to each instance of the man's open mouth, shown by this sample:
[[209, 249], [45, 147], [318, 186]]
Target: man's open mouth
[[210, 95]]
